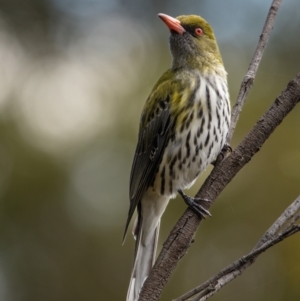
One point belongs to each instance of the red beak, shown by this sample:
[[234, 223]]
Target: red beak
[[172, 23]]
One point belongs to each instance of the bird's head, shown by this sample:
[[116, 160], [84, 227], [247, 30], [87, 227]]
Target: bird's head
[[192, 42]]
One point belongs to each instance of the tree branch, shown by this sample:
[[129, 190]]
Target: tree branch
[[248, 80], [269, 239]]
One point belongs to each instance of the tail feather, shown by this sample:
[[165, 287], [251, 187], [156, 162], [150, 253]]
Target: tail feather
[[144, 260]]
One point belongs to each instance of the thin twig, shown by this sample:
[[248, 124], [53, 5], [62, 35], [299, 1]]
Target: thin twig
[[288, 214], [248, 80], [238, 267], [235, 269]]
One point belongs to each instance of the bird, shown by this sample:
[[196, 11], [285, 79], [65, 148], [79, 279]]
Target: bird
[[183, 128]]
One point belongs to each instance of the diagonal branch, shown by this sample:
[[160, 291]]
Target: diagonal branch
[[289, 214], [269, 239], [248, 80]]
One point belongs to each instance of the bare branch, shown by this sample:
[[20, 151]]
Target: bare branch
[[269, 239], [248, 80], [289, 213]]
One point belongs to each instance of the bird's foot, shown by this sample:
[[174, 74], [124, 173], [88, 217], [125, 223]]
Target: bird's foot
[[195, 204], [223, 154]]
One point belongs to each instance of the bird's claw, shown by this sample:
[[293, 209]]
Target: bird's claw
[[195, 204], [226, 148], [223, 154]]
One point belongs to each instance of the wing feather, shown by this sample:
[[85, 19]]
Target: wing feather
[[152, 141]]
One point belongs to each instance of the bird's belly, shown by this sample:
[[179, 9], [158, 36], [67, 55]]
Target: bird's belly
[[188, 155]]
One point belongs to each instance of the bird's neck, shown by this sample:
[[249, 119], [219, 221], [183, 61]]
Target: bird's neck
[[204, 63]]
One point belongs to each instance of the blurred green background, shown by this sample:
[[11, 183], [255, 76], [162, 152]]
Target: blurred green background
[[74, 75]]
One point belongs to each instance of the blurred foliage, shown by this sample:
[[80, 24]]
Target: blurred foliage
[[74, 78]]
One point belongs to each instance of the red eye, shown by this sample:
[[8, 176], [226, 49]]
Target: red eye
[[198, 31]]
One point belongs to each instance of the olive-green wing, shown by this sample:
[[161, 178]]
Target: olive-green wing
[[152, 140]]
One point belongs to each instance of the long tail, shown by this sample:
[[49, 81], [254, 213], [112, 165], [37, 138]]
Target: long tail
[[144, 260]]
